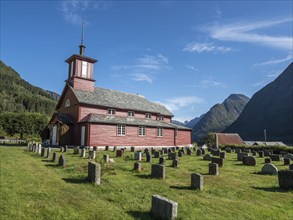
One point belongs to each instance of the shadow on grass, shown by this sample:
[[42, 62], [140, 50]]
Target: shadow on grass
[[53, 165], [144, 176], [47, 160], [75, 180], [271, 189], [140, 215], [181, 187]]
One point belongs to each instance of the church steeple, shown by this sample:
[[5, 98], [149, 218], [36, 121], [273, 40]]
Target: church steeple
[[81, 46], [81, 68]]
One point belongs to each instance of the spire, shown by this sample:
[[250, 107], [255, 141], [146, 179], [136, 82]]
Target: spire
[[81, 46]]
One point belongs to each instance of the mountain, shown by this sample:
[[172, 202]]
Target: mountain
[[17, 95], [219, 117], [193, 122], [54, 95], [270, 108]]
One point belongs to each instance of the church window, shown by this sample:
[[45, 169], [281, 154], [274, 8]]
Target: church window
[[67, 103], [84, 69], [148, 115], [121, 130], [130, 114], [111, 111]]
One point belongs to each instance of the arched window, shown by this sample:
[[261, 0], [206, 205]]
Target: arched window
[[67, 103]]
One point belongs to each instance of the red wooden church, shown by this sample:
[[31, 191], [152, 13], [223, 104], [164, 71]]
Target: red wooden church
[[91, 116]]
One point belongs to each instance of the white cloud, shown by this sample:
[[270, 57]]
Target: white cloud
[[274, 61], [191, 67], [177, 103], [141, 77], [144, 68], [206, 47], [74, 10], [247, 32], [209, 82]]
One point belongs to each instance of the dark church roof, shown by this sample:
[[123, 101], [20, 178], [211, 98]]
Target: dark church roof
[[111, 119], [120, 100]]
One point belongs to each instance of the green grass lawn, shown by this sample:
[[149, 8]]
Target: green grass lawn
[[33, 187]]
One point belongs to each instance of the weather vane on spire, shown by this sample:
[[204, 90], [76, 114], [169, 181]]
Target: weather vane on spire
[[82, 47]]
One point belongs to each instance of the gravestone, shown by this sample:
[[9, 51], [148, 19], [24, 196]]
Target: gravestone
[[237, 150], [180, 154], [269, 168], [291, 166], [158, 171], [288, 156], [162, 160], [92, 154], [275, 157], [175, 163], [207, 157], [114, 148], [76, 150], [260, 154], [198, 152], [54, 159], [83, 152], [106, 158], [249, 161], [94, 173], [215, 153], [66, 148], [62, 161], [107, 148], [156, 154], [228, 149], [197, 181], [137, 156], [146, 150], [285, 178], [172, 156], [254, 153], [266, 153], [268, 160], [241, 155], [188, 151], [163, 208], [42, 152], [149, 158], [287, 161], [61, 149], [39, 149], [119, 153], [213, 169], [48, 152], [95, 148], [219, 161], [137, 166], [223, 155], [132, 149]]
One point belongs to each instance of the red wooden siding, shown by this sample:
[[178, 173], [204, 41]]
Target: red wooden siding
[[183, 137], [102, 135]]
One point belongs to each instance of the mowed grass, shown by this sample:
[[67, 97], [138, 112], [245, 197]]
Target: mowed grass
[[33, 187]]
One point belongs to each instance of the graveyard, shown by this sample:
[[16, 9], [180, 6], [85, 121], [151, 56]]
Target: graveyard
[[37, 187]]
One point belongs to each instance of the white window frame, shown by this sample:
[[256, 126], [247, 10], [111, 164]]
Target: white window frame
[[121, 130], [84, 69], [67, 103], [159, 132], [161, 118], [148, 115], [130, 113], [142, 131], [111, 111]]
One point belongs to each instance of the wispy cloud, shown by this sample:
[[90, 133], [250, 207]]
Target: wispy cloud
[[144, 68], [268, 77], [74, 10], [191, 68], [247, 32], [177, 103], [274, 61], [208, 83], [206, 47]]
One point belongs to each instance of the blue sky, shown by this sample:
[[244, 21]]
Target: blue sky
[[187, 55]]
